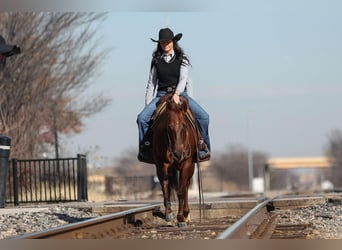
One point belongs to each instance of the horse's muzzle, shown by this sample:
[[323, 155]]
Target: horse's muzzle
[[179, 156]]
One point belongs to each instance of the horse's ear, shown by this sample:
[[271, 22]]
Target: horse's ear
[[184, 104]]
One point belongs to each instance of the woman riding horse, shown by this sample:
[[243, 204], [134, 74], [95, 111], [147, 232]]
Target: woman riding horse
[[169, 74]]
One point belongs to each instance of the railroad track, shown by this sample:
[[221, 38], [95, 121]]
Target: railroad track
[[100, 227], [244, 218], [265, 221]]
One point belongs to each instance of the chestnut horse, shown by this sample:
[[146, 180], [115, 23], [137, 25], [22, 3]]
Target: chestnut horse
[[175, 138]]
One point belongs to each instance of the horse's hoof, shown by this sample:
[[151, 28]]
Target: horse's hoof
[[182, 224], [169, 217], [170, 224], [187, 219]]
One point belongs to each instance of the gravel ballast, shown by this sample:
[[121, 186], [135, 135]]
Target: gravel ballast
[[325, 220]]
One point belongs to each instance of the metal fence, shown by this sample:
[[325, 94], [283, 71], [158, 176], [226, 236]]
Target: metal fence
[[47, 180]]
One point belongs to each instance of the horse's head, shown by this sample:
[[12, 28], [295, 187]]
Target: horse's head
[[177, 129]]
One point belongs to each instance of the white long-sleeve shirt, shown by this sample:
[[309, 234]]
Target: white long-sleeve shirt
[[153, 78]]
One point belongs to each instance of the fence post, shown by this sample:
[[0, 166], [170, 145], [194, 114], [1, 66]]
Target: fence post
[[15, 182], [5, 145], [82, 187]]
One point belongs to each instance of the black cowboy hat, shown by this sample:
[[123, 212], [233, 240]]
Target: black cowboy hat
[[8, 50], [167, 34]]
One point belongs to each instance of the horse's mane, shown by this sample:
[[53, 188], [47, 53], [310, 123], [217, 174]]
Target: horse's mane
[[168, 99]]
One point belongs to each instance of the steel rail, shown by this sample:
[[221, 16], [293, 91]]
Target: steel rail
[[248, 223], [81, 229]]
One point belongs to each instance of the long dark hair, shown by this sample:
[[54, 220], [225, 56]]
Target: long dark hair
[[179, 52]]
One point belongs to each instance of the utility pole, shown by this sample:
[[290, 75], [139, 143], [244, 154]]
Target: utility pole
[[249, 155]]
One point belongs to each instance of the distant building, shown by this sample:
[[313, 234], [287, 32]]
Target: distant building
[[299, 162], [297, 173]]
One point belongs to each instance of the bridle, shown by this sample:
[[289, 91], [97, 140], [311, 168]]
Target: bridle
[[186, 152]]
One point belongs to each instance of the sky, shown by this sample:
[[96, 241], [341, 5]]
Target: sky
[[267, 72]]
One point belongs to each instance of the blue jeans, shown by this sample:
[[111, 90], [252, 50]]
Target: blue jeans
[[201, 116]]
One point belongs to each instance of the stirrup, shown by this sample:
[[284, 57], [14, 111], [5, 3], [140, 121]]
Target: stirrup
[[204, 154], [203, 151]]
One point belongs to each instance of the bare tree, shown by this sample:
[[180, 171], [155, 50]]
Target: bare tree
[[128, 165], [232, 165], [40, 88]]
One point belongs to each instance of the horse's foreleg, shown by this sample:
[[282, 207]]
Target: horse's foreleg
[[183, 203], [186, 210], [163, 178], [180, 194], [182, 197], [167, 200]]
